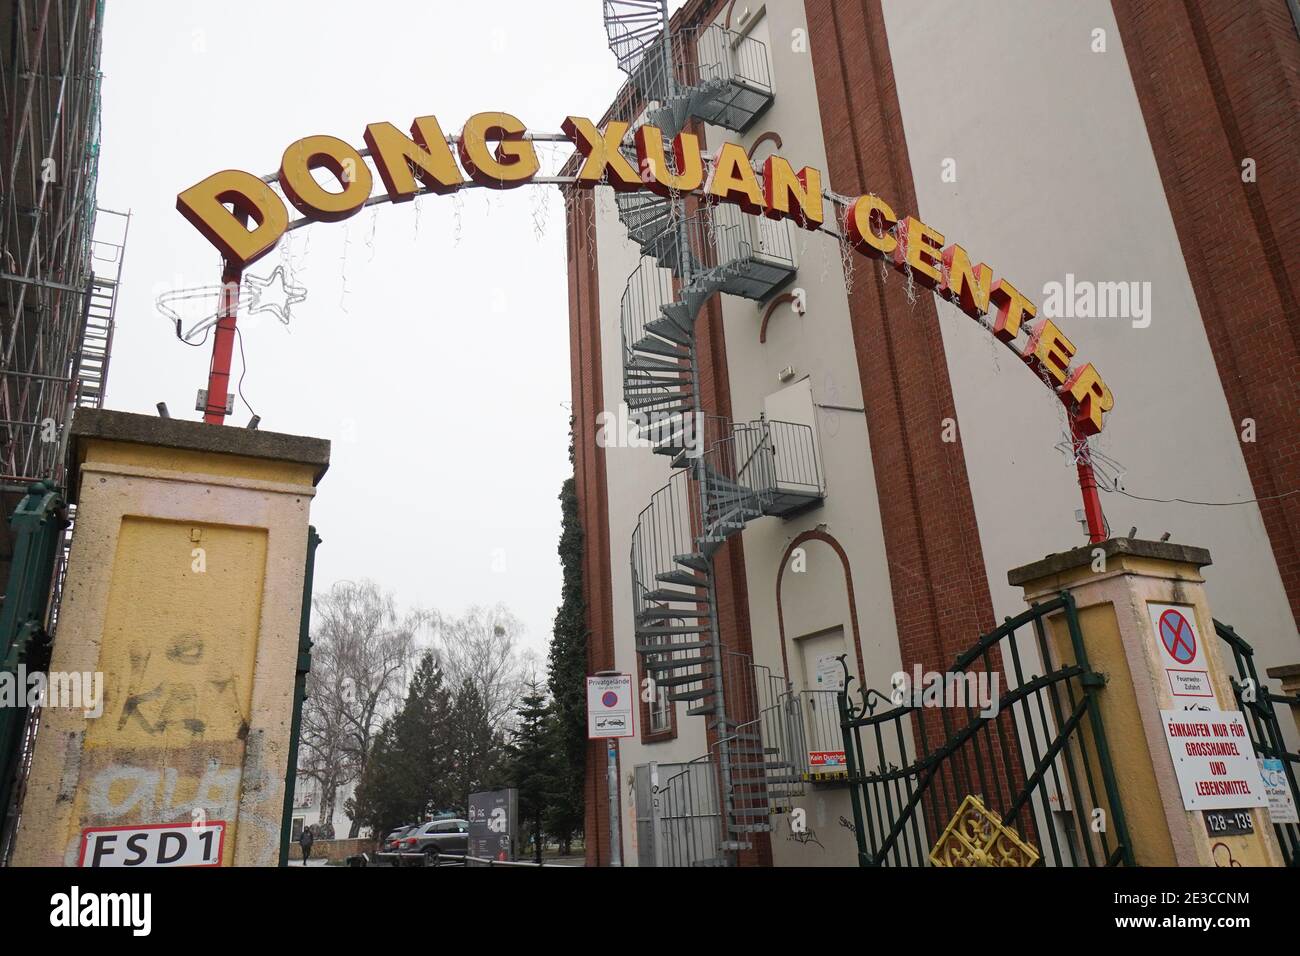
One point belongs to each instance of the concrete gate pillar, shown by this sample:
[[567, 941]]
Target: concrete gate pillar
[[1113, 583], [183, 594], [1289, 675]]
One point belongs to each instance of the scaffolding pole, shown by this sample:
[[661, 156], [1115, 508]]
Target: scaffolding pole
[[49, 158]]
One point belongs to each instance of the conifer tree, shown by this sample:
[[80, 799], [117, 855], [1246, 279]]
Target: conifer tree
[[567, 677], [532, 763]]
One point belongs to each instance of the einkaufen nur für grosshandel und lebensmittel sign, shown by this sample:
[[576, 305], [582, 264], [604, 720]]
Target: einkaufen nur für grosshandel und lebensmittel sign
[[221, 205]]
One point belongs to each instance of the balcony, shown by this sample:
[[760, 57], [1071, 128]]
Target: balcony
[[717, 76], [756, 253], [736, 253], [771, 466]]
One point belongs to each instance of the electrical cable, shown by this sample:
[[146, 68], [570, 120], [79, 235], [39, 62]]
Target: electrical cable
[[1210, 504], [243, 369], [194, 345]]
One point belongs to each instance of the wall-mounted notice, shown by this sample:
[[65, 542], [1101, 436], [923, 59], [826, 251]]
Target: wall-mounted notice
[[1182, 654], [1214, 759]]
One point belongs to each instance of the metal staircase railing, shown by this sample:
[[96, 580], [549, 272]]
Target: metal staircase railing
[[726, 474], [757, 742], [733, 252], [688, 825], [707, 71], [714, 74], [658, 311], [634, 27], [819, 720], [687, 818]]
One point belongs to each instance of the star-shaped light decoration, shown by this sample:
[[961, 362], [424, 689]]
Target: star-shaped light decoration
[[254, 299]]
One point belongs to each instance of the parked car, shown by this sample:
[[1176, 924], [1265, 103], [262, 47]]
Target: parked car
[[393, 841], [437, 839]]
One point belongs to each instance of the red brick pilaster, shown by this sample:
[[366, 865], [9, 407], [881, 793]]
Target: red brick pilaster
[[1218, 84]]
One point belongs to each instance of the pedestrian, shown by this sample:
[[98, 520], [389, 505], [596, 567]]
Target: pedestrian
[[305, 841]]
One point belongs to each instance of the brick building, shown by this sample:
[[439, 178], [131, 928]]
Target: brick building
[[1077, 147]]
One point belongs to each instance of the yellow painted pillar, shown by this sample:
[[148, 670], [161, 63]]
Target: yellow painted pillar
[[1122, 588], [183, 595]]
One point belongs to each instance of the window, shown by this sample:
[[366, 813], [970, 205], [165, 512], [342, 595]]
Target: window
[[661, 711], [657, 712]]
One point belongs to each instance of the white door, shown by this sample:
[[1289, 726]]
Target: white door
[[797, 449]]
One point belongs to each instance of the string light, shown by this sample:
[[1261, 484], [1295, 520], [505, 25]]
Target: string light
[[457, 205], [347, 241]]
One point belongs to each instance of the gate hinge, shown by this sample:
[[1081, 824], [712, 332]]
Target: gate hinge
[[1091, 679]]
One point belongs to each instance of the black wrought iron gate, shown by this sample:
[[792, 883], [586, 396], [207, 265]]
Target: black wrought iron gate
[[1257, 702], [1027, 782]]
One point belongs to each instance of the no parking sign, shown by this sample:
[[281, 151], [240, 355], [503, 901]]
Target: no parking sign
[[609, 706], [1182, 654]]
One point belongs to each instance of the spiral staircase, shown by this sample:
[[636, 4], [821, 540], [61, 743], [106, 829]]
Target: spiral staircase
[[725, 474]]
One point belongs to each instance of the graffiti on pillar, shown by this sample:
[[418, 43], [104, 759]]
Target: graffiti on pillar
[[158, 700]]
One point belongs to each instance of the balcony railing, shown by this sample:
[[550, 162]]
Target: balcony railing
[[685, 821], [824, 740], [774, 461], [726, 75], [760, 468], [758, 252]]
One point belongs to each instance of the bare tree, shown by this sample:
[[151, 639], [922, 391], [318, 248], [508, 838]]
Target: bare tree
[[362, 650], [481, 648]]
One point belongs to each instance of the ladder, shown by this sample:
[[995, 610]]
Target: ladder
[[101, 307]]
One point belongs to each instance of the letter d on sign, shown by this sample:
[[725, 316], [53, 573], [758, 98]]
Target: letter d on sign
[[203, 204]]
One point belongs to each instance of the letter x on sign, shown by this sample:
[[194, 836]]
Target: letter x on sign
[[1177, 636]]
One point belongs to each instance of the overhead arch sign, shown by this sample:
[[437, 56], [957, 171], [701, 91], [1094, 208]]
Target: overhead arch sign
[[244, 218]]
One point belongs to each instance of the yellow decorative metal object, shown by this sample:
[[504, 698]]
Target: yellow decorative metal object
[[977, 837]]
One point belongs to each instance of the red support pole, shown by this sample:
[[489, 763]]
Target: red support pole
[[1088, 485], [223, 346]]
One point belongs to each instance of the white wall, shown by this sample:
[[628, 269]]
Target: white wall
[[1055, 174]]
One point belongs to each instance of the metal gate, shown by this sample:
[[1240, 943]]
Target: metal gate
[[38, 523], [1256, 701], [679, 815], [1027, 782], [299, 694]]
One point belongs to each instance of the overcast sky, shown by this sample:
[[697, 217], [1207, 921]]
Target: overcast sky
[[437, 364]]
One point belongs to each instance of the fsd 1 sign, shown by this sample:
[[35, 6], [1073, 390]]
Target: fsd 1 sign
[[156, 844]]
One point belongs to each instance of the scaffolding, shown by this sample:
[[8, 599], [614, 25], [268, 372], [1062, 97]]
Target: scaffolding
[[56, 314]]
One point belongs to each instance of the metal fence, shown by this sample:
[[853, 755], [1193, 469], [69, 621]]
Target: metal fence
[[682, 825], [823, 750], [703, 57], [1259, 703]]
